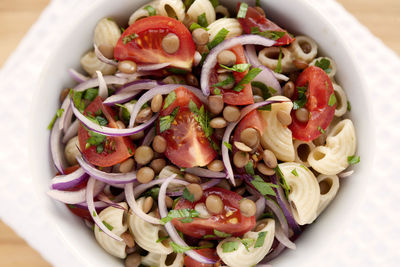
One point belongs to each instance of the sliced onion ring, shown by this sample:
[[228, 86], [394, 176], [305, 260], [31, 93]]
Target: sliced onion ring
[[103, 90], [71, 131], [211, 59], [62, 182], [173, 234], [55, 147], [143, 187], [102, 58], [121, 98], [77, 76], [202, 172], [94, 82]]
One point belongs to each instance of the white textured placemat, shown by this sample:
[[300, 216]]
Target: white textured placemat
[[373, 237]]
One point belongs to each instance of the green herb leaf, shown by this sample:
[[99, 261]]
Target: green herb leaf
[[267, 91], [175, 201], [162, 239], [263, 187], [230, 246], [109, 226], [221, 234], [353, 160], [91, 94], [153, 192], [321, 130], [266, 107], [348, 106], [169, 99], [258, 3], [266, 215], [278, 68], [99, 148], [209, 236], [242, 10], [228, 146], [124, 112], [129, 38], [182, 213], [202, 20], [178, 71], [260, 239], [247, 242], [217, 91], [195, 26], [101, 120], [301, 97], [324, 64], [94, 214], [273, 35], [219, 38], [182, 249], [249, 168], [202, 117], [332, 100], [77, 99], [247, 79], [186, 220], [227, 81], [294, 172], [282, 181], [187, 195], [214, 3], [238, 67], [95, 139], [58, 114], [165, 121], [151, 10]]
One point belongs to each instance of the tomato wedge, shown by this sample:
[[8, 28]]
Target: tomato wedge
[[187, 143], [319, 91], [231, 97], [256, 19], [206, 252], [115, 149], [230, 221], [141, 42]]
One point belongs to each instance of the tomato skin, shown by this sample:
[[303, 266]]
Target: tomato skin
[[123, 145], [236, 224], [206, 252], [319, 90], [187, 144], [256, 19], [231, 97], [146, 48]]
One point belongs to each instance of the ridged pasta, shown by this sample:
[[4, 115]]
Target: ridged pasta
[[157, 260], [304, 191], [341, 100], [143, 13], [269, 57], [199, 7], [171, 8], [277, 137], [302, 150], [232, 25], [297, 48], [332, 66], [106, 32], [90, 63], [151, 259], [115, 218], [220, 9], [246, 258], [340, 144], [147, 234], [332, 188]]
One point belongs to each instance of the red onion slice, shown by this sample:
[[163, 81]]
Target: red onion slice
[[205, 173], [93, 212], [211, 59], [121, 98], [102, 197], [107, 130], [77, 76], [102, 58], [283, 238], [94, 82], [113, 178], [173, 234], [143, 187], [266, 76], [130, 198], [103, 90], [150, 67], [162, 90], [138, 85], [71, 131], [280, 76], [56, 148], [65, 106], [62, 182], [228, 131], [148, 138], [204, 186], [260, 206]]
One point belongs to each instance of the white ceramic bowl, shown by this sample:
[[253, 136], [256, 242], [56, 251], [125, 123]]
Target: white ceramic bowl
[[295, 15]]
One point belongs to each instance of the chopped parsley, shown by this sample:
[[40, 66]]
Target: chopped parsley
[[294, 172], [169, 99], [263, 187], [273, 35], [353, 160], [247, 79], [219, 38], [91, 94], [238, 67], [229, 80], [228, 146], [95, 139], [260, 239], [151, 10], [109, 226], [282, 181], [321, 130], [153, 192], [182, 249], [77, 99], [161, 239], [129, 38], [182, 213], [165, 121], [247, 242], [348, 106], [217, 91], [302, 98], [266, 107], [58, 114], [324, 64], [94, 214], [221, 234], [332, 100], [267, 91], [249, 168], [278, 68], [202, 117], [242, 10], [209, 236], [187, 195], [195, 26], [230, 246], [177, 71], [124, 113], [214, 3], [202, 20]]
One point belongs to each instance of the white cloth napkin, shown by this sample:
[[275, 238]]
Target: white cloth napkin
[[372, 238]]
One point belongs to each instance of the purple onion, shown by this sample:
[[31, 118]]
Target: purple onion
[[67, 181]]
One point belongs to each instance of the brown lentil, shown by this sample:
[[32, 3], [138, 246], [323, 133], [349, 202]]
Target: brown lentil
[[300, 64], [143, 155], [133, 260], [219, 133], [196, 190], [216, 165], [147, 204], [231, 113], [137, 136], [261, 167], [250, 137], [191, 178], [200, 36], [215, 104], [127, 66], [126, 166], [214, 204], [238, 182], [288, 89], [240, 159], [107, 50], [247, 207], [170, 43], [157, 165], [242, 147], [174, 79], [269, 159], [284, 117], [128, 239], [145, 175], [240, 190], [192, 80], [226, 58], [144, 115], [156, 103], [224, 184], [302, 114], [159, 144], [218, 123], [120, 124], [169, 202], [202, 49]]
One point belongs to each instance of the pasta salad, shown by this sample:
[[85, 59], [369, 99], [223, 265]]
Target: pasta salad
[[200, 137]]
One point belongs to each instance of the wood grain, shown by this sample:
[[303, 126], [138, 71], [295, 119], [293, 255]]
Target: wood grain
[[16, 17]]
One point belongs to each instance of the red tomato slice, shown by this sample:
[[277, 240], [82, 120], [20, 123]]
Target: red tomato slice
[[206, 252], [231, 97], [230, 221], [187, 144], [116, 149], [146, 47], [256, 19], [318, 93]]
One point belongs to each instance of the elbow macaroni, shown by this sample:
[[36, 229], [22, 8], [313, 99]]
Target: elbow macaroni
[[298, 52], [232, 25], [115, 218], [199, 7], [340, 144], [269, 57], [222, 10], [147, 234], [332, 189], [304, 192], [332, 66], [277, 137], [341, 100], [157, 260], [302, 150], [246, 258], [142, 12], [90, 63], [106, 33], [172, 8]]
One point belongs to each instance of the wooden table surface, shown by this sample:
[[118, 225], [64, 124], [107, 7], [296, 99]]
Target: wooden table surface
[[16, 16]]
